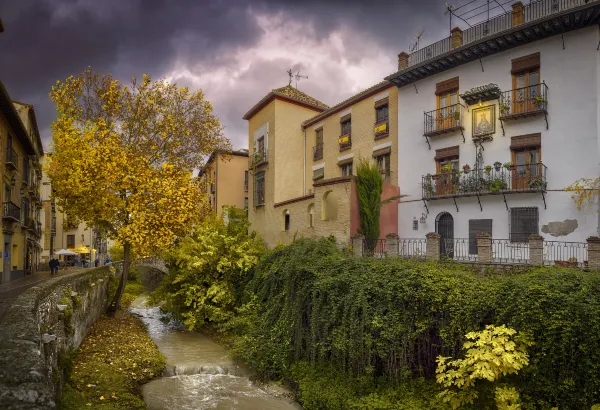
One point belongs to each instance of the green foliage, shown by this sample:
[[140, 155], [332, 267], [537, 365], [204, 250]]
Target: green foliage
[[369, 187], [384, 319], [492, 353], [115, 359], [324, 387], [208, 267]]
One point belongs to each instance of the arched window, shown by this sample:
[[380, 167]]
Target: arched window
[[311, 216], [286, 220], [329, 205]]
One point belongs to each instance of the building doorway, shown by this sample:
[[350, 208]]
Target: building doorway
[[444, 226]]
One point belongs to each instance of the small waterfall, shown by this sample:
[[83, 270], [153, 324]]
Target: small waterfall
[[199, 373]]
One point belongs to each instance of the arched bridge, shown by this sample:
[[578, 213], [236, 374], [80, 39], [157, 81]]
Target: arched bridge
[[151, 263]]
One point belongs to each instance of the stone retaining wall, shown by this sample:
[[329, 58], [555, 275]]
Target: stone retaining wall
[[44, 325]]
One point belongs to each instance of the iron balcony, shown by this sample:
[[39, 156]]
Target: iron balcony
[[12, 159], [11, 212], [444, 120], [485, 181]]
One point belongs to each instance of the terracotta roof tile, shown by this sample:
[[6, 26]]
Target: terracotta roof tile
[[290, 93], [295, 94]]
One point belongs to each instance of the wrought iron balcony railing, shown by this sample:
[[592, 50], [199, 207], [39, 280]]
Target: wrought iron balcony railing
[[259, 157], [318, 152], [523, 102], [11, 212], [12, 159], [29, 223], [535, 10], [443, 120], [485, 181]]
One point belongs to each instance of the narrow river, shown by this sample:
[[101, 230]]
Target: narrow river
[[199, 374]]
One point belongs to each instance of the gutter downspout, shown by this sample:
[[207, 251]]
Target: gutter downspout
[[304, 173]]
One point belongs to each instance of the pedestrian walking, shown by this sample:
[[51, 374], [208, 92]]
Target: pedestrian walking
[[97, 262], [54, 264]]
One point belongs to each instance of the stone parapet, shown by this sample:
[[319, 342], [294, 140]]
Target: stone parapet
[[484, 247], [36, 331]]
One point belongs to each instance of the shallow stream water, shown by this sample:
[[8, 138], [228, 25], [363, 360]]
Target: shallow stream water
[[199, 374]]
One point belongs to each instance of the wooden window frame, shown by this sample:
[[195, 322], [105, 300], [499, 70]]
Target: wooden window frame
[[518, 108], [345, 166]]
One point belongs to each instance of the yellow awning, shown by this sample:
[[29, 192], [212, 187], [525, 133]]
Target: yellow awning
[[83, 249]]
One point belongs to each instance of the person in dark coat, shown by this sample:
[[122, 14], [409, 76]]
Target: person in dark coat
[[54, 264]]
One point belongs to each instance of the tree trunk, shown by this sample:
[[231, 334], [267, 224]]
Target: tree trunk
[[114, 304]]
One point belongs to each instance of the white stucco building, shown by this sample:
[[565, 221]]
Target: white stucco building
[[521, 90]]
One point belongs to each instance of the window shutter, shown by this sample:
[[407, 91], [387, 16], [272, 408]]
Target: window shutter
[[526, 63], [444, 87], [476, 226]]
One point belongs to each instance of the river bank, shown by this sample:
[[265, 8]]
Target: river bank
[[115, 359]]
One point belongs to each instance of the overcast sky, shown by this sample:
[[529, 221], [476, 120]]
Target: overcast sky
[[235, 50]]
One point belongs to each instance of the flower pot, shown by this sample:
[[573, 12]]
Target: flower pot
[[566, 264]]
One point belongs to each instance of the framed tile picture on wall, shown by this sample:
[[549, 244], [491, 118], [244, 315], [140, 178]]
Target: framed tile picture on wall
[[484, 121]]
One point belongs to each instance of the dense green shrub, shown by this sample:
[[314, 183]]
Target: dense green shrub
[[382, 319], [208, 269]]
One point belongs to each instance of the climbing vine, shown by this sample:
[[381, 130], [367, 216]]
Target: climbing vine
[[387, 320]]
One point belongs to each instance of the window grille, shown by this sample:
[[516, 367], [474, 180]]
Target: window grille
[[259, 188], [523, 222]]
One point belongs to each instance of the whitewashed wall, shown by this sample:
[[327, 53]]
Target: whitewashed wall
[[570, 147]]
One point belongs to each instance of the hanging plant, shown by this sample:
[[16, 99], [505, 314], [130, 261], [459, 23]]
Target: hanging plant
[[466, 168], [508, 165], [497, 165], [488, 169]]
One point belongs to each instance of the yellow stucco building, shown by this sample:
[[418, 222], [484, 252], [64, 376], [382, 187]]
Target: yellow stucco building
[[225, 179], [302, 159], [20, 150], [59, 231]]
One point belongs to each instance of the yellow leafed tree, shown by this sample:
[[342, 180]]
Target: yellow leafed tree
[[123, 157]]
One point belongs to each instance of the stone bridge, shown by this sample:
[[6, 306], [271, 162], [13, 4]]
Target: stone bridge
[[151, 263]]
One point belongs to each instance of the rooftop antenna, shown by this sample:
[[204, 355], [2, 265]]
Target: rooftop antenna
[[419, 36], [449, 10], [298, 77], [291, 75]]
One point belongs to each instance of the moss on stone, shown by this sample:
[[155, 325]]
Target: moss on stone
[[113, 362]]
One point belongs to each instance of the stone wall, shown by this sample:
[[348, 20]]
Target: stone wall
[[44, 325]]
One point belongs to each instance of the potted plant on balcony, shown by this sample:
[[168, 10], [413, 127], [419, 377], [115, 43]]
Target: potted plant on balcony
[[537, 183], [504, 109], [466, 168], [508, 165], [456, 116], [497, 165], [497, 185], [539, 101], [447, 168], [428, 186], [488, 169]]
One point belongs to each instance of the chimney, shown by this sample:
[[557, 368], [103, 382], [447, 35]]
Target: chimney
[[518, 12], [456, 39], [402, 61]]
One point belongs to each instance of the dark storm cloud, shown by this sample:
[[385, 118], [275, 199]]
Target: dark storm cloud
[[48, 40]]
